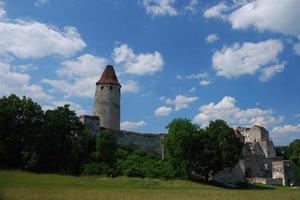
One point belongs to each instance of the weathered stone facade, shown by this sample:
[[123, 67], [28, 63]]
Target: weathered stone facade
[[107, 99], [91, 122]]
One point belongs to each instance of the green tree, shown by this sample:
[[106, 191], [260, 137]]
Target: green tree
[[197, 153], [223, 148], [294, 152], [61, 145], [106, 147], [182, 144], [21, 124]]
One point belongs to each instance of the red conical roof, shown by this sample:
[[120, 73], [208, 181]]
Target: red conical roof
[[109, 76]]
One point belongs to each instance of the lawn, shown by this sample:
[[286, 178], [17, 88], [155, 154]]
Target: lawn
[[25, 186]]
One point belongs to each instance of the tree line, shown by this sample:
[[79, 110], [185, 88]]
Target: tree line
[[55, 141]]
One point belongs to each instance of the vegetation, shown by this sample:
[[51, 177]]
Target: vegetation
[[15, 185], [197, 153], [55, 141]]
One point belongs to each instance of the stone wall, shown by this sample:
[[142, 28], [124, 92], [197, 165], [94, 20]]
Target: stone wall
[[149, 142], [283, 169], [91, 122], [232, 176]]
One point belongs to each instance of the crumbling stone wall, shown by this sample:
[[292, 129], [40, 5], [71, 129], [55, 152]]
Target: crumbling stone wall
[[149, 142]]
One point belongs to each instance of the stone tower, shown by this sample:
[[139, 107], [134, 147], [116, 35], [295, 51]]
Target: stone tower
[[107, 99]]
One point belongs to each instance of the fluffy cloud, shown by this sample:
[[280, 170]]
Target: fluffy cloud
[[130, 86], [2, 10], [263, 15], [205, 82], [19, 84], [286, 129], [212, 38], [181, 101], [163, 111], [268, 72], [227, 110], [30, 39], [216, 11], [160, 7], [132, 125], [138, 64], [282, 17], [79, 76], [192, 6], [247, 58]]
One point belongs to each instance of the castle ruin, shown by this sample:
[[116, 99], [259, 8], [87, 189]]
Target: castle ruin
[[259, 164]]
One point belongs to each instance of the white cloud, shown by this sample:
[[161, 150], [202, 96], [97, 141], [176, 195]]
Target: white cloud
[[279, 16], [38, 3], [138, 64], [205, 82], [85, 65], [19, 84], [216, 11], [79, 76], [73, 106], [163, 111], [247, 58], [181, 101], [263, 15], [132, 125], [192, 6], [130, 86], [193, 89], [30, 39], [197, 76], [212, 38], [227, 110], [268, 72], [2, 10], [286, 129], [160, 7]]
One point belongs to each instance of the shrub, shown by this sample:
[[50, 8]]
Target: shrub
[[96, 169]]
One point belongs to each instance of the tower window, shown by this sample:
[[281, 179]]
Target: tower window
[[110, 87], [102, 87]]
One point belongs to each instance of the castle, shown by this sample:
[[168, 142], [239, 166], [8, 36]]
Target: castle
[[259, 164]]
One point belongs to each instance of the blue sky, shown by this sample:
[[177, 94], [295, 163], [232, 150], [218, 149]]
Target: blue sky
[[201, 59]]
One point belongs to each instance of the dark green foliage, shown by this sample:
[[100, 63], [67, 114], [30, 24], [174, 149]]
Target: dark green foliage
[[54, 141], [106, 147], [20, 123], [195, 153], [96, 169], [282, 151], [294, 152], [142, 164]]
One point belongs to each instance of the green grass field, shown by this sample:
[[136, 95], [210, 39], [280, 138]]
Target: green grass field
[[25, 186]]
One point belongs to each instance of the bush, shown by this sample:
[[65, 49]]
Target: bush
[[142, 164], [96, 169]]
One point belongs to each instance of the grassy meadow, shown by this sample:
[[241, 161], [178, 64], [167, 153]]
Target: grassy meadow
[[23, 185]]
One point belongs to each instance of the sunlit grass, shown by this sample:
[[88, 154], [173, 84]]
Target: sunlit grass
[[25, 186]]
